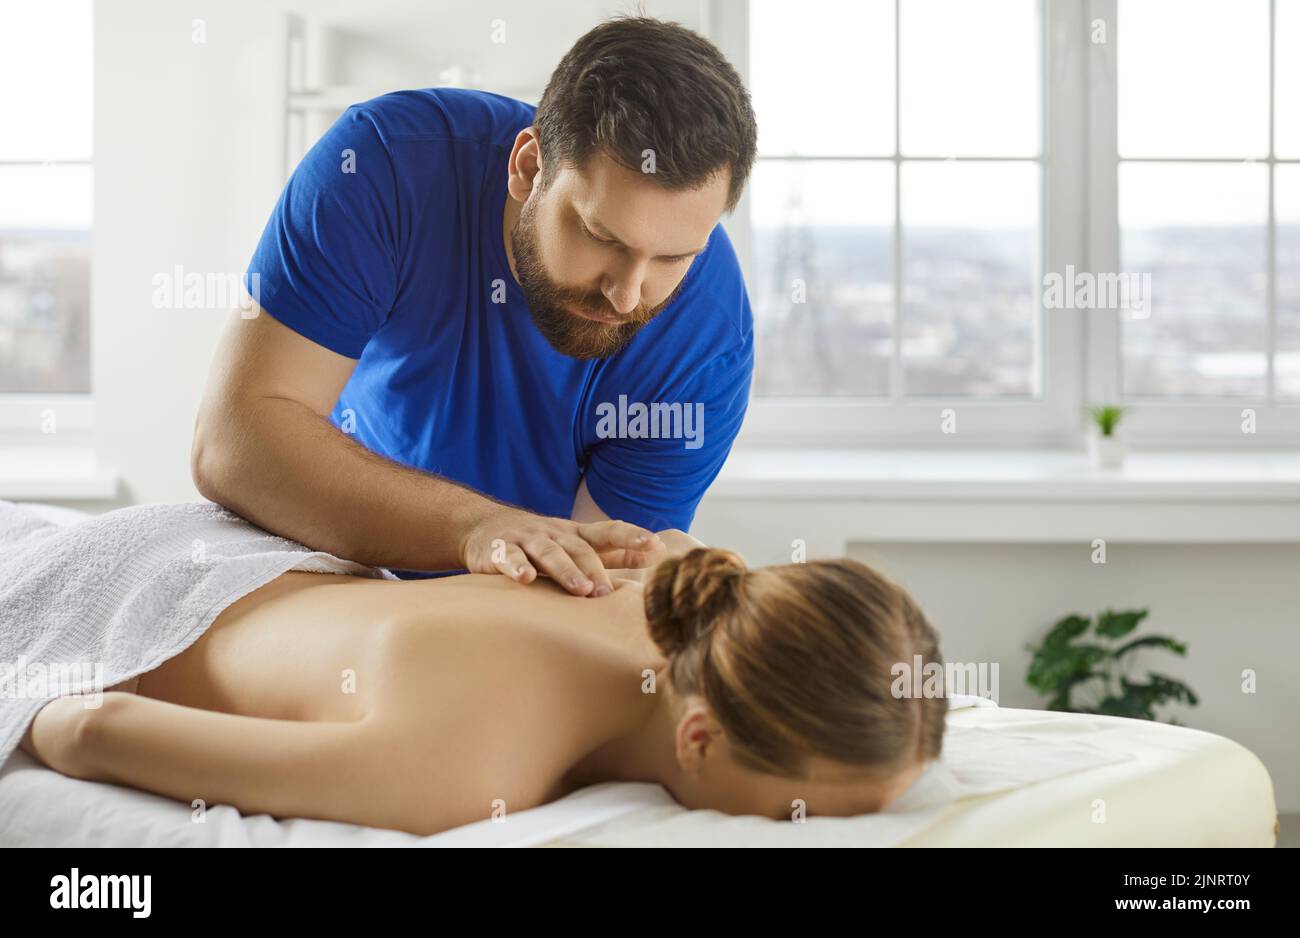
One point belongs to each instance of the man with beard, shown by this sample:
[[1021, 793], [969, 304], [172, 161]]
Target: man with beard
[[455, 293]]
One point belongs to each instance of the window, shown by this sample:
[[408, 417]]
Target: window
[[896, 221], [1206, 206], [925, 166], [45, 205]]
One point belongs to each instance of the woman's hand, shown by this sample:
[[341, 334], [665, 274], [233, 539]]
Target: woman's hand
[[57, 735]]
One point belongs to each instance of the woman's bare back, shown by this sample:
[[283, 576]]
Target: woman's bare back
[[502, 687]]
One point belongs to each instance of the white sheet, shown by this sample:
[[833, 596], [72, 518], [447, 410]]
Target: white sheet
[[1182, 787], [41, 808], [977, 762]]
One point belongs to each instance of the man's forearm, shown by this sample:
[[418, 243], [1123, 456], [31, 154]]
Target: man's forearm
[[294, 473]]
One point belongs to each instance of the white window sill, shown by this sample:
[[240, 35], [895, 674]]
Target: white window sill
[[978, 496], [53, 472], [1003, 474]]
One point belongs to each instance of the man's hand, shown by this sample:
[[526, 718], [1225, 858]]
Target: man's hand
[[674, 543], [520, 544]]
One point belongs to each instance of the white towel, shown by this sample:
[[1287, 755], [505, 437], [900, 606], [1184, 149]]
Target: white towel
[[116, 595]]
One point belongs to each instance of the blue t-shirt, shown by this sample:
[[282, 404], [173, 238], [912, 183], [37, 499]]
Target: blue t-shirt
[[398, 262]]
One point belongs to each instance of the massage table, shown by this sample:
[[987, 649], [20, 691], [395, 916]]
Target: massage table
[[1111, 782], [1008, 778]]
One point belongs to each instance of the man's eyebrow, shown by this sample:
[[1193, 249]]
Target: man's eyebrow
[[597, 228]]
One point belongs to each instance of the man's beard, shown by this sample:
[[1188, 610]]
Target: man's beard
[[549, 304]]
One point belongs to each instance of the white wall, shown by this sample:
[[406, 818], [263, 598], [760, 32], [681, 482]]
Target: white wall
[[186, 152]]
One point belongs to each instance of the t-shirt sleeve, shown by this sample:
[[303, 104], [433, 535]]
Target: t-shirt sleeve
[[326, 265], [657, 483]]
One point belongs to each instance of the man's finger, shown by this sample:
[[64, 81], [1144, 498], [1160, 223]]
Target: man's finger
[[515, 565], [623, 559], [589, 563], [553, 560], [608, 535]]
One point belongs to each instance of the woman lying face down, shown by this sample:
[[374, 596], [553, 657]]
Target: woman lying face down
[[778, 698], [421, 705]]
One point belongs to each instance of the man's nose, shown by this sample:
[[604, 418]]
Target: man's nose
[[623, 287]]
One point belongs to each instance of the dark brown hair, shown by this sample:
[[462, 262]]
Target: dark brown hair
[[635, 83], [797, 660]]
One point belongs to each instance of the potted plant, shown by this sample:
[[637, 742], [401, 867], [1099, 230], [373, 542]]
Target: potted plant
[[1104, 443], [1066, 663]]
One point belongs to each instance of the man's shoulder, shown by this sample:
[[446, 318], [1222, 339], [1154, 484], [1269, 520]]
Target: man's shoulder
[[466, 114], [723, 282]]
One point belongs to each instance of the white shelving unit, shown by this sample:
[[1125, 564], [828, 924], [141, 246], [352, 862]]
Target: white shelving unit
[[313, 99]]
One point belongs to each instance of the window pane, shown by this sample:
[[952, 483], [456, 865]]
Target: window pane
[[1193, 78], [802, 58], [51, 196], [969, 83], [1287, 364], [1286, 135], [44, 279], [45, 80], [1199, 230], [823, 282], [970, 282]]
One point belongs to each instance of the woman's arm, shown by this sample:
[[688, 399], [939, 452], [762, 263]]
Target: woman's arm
[[337, 771]]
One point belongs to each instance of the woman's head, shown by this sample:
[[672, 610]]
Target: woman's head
[[783, 681]]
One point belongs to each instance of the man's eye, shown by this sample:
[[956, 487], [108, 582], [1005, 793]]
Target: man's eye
[[668, 260]]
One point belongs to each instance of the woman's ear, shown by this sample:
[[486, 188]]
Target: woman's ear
[[699, 736]]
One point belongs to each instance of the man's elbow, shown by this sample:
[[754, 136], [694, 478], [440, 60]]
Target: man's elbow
[[210, 461]]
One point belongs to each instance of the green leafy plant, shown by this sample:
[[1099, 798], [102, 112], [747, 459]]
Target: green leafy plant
[[1099, 667], [1107, 417]]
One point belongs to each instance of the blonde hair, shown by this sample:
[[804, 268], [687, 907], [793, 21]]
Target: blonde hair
[[797, 660]]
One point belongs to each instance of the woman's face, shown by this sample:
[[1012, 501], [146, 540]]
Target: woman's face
[[712, 778]]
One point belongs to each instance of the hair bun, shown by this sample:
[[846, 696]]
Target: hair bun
[[687, 594]]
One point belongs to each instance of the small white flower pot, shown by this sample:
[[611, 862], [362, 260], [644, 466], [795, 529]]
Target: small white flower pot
[[1107, 452]]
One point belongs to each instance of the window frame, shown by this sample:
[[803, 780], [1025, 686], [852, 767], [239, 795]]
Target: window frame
[[23, 413]]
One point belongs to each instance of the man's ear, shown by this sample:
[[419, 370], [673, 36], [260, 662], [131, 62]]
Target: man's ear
[[525, 165]]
